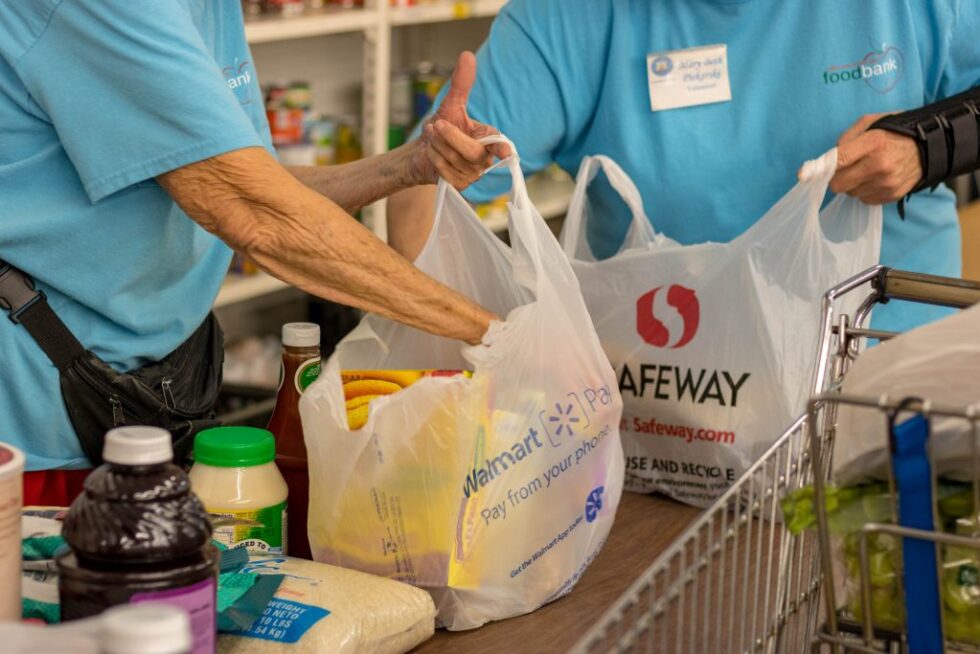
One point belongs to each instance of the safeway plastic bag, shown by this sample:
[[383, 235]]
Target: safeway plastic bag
[[713, 344], [939, 362], [493, 492]]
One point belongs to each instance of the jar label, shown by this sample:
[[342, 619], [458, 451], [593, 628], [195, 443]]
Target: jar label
[[307, 373], [198, 601], [266, 535]]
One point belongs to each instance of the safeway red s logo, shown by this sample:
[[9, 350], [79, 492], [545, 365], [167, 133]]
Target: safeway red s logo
[[653, 318]]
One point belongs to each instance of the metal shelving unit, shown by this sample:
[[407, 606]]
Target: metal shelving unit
[[330, 20]]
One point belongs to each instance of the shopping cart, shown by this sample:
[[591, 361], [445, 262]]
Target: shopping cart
[[736, 580]]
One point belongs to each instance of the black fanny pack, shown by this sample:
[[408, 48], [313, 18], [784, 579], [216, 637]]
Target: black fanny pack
[[177, 393]]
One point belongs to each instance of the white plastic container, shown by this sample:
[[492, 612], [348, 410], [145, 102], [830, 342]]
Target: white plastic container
[[11, 501], [235, 476]]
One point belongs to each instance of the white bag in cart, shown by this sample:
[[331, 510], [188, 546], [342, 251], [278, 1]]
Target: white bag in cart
[[713, 344], [495, 492]]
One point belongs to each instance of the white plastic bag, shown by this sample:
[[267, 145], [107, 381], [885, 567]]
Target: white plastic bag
[[495, 492], [939, 362], [713, 344]]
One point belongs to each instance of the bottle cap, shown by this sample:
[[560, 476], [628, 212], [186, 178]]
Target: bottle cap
[[234, 447], [301, 334], [150, 628], [138, 446]]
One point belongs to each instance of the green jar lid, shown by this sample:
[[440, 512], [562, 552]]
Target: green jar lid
[[234, 447]]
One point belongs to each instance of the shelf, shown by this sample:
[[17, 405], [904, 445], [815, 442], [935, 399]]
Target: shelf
[[336, 20], [330, 20], [238, 288], [445, 11], [549, 196]]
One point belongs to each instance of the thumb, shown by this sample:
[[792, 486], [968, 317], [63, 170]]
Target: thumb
[[461, 83]]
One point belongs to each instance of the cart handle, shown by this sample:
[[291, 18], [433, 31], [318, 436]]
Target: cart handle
[[894, 284]]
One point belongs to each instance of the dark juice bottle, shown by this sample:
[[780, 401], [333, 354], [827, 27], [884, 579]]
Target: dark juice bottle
[[138, 534], [300, 368]]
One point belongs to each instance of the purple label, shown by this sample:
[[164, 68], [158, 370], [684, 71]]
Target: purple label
[[198, 601]]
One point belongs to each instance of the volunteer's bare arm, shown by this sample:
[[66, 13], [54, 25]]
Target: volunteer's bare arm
[[410, 216], [257, 207]]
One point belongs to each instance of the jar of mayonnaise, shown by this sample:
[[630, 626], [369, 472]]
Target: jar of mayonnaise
[[235, 475]]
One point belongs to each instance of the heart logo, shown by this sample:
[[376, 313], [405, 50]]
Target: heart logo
[[882, 69]]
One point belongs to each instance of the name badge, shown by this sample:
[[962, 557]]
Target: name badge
[[686, 78]]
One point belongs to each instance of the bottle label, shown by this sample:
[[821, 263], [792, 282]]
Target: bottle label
[[266, 535], [307, 373], [198, 601]]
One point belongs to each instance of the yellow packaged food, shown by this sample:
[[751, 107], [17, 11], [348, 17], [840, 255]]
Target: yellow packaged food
[[362, 386]]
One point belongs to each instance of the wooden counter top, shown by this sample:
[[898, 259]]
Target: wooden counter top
[[645, 525]]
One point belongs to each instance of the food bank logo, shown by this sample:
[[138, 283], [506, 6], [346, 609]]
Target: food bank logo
[[661, 65], [881, 69], [238, 77], [660, 314]]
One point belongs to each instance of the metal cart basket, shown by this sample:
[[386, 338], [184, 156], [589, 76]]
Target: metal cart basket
[[736, 580]]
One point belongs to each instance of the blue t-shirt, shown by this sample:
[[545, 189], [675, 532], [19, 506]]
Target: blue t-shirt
[[567, 78], [96, 99]]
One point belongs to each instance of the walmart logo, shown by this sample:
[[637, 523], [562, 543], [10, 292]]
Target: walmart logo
[[881, 69]]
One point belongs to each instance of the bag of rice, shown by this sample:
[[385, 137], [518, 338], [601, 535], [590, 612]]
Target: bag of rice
[[323, 608]]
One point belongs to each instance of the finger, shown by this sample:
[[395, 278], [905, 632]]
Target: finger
[[462, 82], [858, 128], [479, 131], [858, 148], [448, 153], [449, 173], [870, 192], [848, 179], [453, 158], [470, 149]]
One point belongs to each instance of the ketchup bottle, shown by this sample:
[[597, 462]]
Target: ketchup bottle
[[300, 368]]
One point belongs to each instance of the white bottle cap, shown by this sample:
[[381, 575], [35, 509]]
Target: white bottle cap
[[138, 446], [151, 628], [301, 334]]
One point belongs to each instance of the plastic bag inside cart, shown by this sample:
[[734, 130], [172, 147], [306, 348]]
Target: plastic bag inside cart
[[493, 492]]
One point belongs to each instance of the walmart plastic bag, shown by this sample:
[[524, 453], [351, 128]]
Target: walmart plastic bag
[[493, 492], [713, 344]]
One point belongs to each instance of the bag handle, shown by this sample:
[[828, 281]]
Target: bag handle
[[640, 231], [818, 172], [522, 229]]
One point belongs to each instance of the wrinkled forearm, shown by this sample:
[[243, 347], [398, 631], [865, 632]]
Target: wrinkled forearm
[[248, 200], [355, 185]]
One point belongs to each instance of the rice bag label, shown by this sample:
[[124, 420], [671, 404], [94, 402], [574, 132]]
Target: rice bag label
[[284, 621], [267, 534]]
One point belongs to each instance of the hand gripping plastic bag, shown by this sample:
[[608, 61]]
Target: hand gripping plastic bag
[[713, 344], [493, 492]]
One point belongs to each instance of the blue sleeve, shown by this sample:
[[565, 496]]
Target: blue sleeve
[[962, 64], [516, 91], [132, 91]]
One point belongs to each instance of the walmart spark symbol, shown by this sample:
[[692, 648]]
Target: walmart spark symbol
[[565, 419]]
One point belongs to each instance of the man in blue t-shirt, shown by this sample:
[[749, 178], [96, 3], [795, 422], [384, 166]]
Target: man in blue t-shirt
[[569, 78], [134, 151]]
